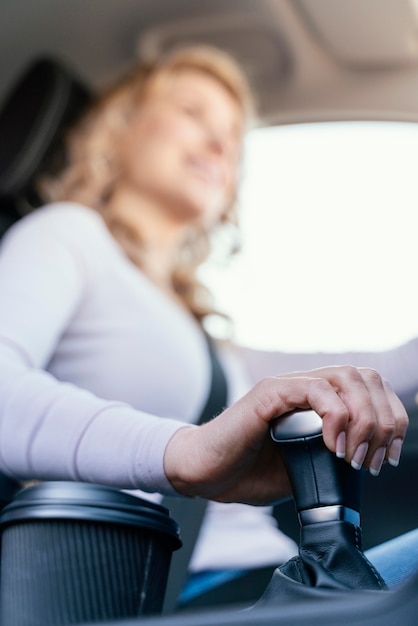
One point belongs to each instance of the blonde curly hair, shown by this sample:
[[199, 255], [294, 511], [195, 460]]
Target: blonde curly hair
[[93, 166]]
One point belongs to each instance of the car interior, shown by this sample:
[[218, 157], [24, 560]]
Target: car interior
[[307, 61]]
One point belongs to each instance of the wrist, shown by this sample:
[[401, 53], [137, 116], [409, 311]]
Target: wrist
[[177, 460]]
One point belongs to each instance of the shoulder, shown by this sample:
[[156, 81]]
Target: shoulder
[[58, 217], [65, 222]]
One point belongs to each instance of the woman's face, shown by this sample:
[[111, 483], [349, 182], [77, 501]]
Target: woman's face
[[183, 148]]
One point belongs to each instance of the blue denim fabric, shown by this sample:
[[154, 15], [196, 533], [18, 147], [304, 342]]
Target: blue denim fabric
[[397, 559], [201, 582]]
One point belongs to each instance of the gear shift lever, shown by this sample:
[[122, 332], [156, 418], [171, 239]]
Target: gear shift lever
[[327, 493], [325, 487]]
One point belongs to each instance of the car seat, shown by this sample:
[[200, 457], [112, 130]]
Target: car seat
[[45, 99]]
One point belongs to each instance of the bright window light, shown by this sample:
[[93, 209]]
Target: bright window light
[[329, 216]]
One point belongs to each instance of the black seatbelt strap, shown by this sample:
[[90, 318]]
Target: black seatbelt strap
[[189, 512]]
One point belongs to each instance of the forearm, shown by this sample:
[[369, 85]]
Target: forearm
[[56, 431]]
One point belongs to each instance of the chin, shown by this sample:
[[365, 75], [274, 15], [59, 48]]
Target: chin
[[200, 212]]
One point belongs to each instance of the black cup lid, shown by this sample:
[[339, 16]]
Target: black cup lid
[[91, 502]]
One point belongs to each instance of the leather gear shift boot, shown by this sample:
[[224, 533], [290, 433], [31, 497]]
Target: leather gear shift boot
[[330, 560], [330, 555]]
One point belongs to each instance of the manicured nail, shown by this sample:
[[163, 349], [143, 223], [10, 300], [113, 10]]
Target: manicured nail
[[377, 461], [395, 450], [360, 455], [340, 445]]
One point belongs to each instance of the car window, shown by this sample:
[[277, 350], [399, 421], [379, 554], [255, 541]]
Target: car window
[[329, 221]]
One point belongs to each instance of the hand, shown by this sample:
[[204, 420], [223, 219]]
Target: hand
[[233, 459], [374, 429]]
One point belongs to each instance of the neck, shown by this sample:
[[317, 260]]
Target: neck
[[134, 220]]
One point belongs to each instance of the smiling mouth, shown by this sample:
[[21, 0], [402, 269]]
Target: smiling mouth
[[208, 172]]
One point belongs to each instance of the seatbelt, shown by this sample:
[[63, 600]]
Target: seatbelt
[[189, 512]]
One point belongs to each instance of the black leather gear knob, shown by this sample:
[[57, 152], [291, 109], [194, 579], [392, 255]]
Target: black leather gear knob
[[318, 477]]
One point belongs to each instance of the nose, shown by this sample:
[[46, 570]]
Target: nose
[[215, 140]]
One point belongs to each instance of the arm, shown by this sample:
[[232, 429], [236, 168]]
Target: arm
[[50, 429], [53, 430]]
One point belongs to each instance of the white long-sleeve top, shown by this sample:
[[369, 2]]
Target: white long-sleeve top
[[99, 368]]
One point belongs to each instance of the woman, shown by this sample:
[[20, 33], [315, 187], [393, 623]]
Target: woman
[[103, 359]]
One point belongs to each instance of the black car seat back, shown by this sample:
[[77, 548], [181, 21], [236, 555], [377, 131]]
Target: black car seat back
[[33, 119]]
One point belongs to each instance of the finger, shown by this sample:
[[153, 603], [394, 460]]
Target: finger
[[345, 431], [362, 421], [394, 448], [318, 394], [325, 400], [385, 420], [377, 422], [371, 422], [374, 429], [276, 396], [391, 424]]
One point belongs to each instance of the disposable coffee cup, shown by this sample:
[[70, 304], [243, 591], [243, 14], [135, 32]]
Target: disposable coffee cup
[[78, 552]]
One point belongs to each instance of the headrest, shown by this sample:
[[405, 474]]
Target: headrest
[[43, 102]]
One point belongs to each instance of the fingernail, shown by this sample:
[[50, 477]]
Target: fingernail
[[377, 461], [360, 455], [340, 445], [395, 450]]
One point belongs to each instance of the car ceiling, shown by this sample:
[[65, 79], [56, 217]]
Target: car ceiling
[[307, 59]]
